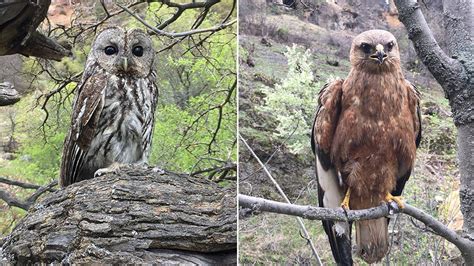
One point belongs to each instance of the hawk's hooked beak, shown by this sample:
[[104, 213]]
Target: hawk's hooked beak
[[379, 55], [124, 64]]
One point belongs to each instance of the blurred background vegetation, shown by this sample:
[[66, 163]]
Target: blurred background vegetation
[[195, 129], [288, 51]]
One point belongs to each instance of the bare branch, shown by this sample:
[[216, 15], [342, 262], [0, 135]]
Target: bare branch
[[13, 201], [20, 184], [24, 204], [317, 213], [178, 34], [32, 199]]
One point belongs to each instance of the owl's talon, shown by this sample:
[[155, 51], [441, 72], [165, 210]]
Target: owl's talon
[[158, 170], [103, 171], [107, 170], [396, 199]]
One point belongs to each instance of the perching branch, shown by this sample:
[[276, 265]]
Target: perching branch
[[317, 213], [133, 216]]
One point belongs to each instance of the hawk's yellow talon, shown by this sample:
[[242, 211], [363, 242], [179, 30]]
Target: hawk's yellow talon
[[345, 201], [397, 199]]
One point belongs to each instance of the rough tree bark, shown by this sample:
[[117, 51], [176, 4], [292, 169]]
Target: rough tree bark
[[134, 216], [454, 70]]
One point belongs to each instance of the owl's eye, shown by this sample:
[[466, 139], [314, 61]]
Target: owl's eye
[[390, 46], [365, 47], [110, 50], [137, 50]]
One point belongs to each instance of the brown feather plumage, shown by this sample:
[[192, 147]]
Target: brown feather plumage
[[368, 125]]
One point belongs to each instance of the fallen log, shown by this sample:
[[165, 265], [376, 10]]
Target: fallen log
[[132, 216]]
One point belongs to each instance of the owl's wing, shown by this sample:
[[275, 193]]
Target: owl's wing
[[86, 111], [330, 192]]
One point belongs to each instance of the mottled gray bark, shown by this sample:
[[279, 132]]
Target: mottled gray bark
[[454, 70], [134, 216]]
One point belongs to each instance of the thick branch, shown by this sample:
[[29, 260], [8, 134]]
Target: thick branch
[[446, 70], [24, 204], [453, 74], [318, 213], [13, 201], [135, 216]]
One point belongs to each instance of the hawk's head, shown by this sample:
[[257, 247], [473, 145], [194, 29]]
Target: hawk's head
[[375, 50]]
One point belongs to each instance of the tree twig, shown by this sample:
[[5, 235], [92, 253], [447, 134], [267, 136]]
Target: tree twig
[[300, 221], [21, 184], [177, 34]]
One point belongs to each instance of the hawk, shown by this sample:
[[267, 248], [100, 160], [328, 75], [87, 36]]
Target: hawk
[[365, 135]]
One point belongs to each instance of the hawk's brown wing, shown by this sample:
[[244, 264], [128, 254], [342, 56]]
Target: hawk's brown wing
[[414, 102], [330, 191], [87, 107]]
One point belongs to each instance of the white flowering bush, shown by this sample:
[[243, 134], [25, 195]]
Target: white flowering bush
[[293, 102]]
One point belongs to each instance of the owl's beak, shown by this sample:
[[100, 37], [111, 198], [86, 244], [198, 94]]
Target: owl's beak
[[379, 55], [124, 64]]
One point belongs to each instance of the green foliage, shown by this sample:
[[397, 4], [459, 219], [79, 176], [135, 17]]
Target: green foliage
[[293, 101]]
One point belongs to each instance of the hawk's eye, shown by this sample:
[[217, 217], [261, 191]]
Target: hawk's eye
[[110, 50], [390, 46], [137, 50], [365, 47]]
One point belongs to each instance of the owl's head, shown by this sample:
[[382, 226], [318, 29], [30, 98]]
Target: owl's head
[[123, 52], [375, 50]]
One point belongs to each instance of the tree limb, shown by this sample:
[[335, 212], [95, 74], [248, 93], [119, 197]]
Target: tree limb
[[24, 204], [317, 213], [21, 184], [453, 74], [13, 201], [134, 216], [445, 69], [177, 34]]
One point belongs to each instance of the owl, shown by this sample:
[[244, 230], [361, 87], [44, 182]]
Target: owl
[[113, 110]]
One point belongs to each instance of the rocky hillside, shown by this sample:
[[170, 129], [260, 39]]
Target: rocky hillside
[[326, 29]]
